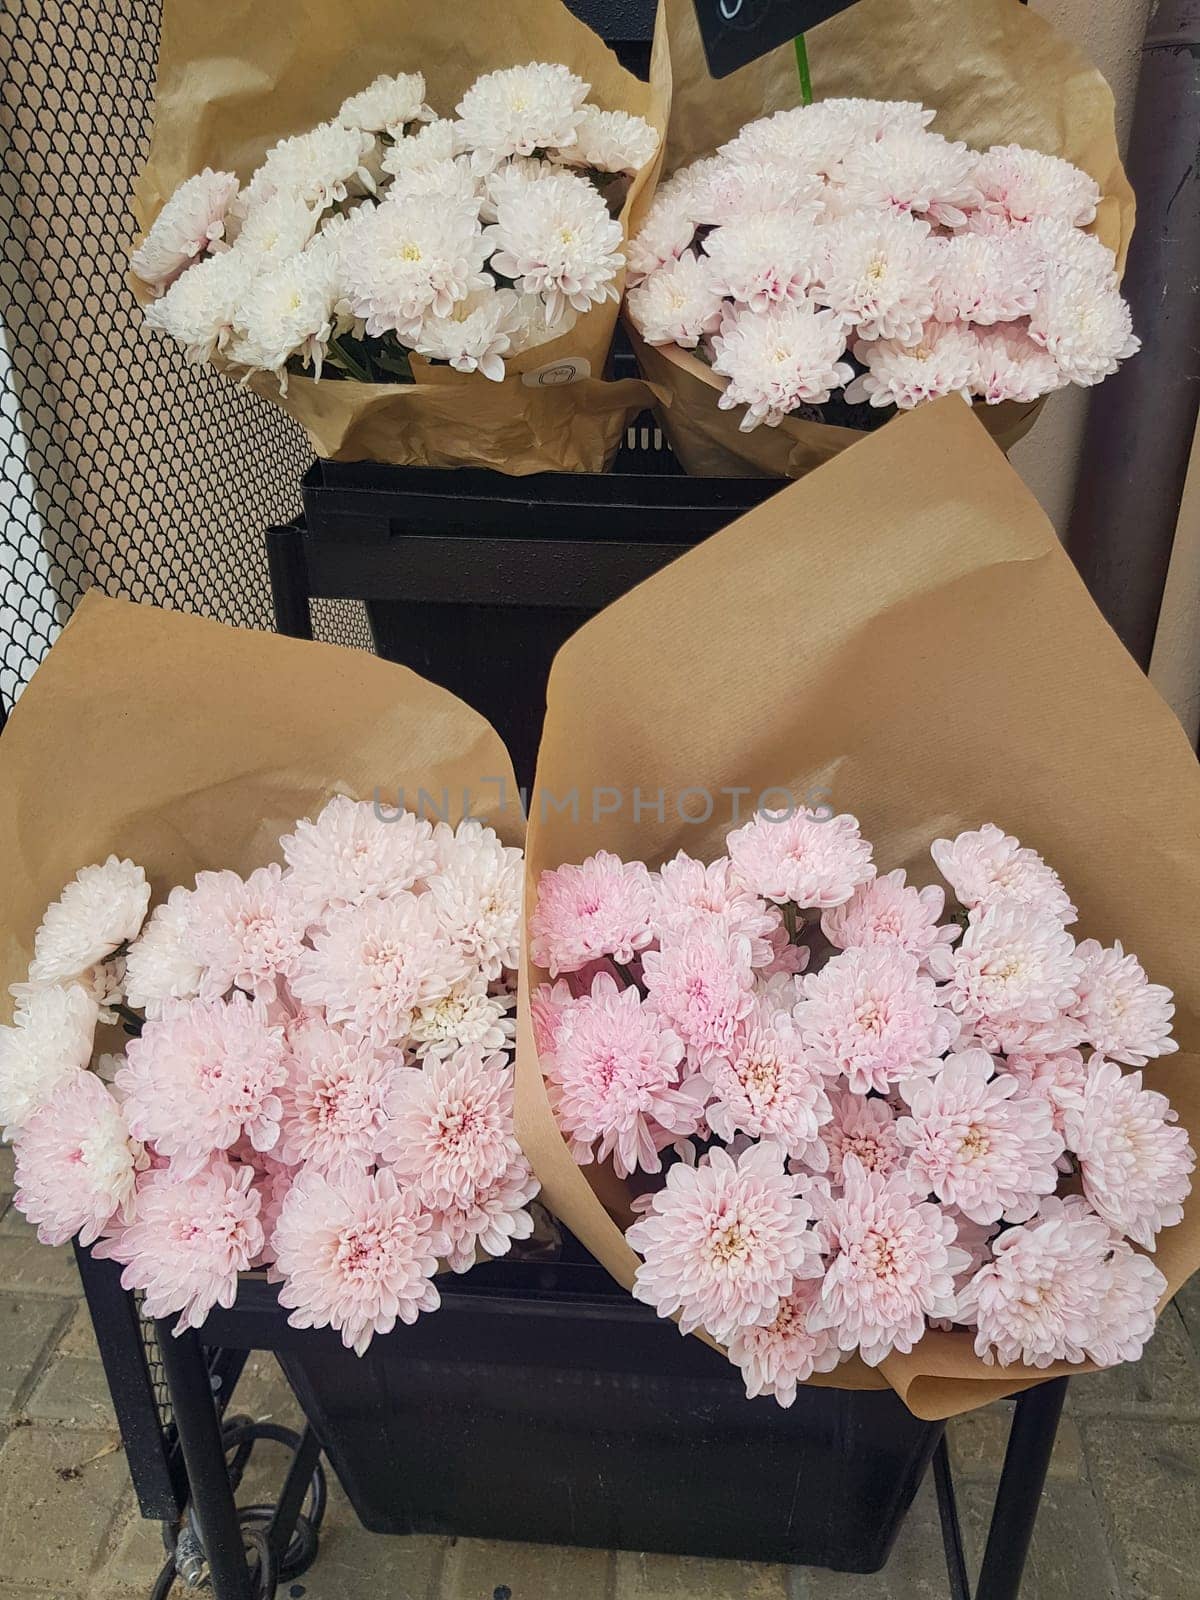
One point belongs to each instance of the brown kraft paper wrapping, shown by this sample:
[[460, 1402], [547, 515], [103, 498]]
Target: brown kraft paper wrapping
[[235, 76], [903, 630], [995, 72]]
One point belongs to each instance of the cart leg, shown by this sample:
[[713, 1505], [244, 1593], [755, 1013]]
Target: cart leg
[[1030, 1441]]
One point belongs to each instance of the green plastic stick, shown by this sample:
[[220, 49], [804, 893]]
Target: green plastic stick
[[802, 69]]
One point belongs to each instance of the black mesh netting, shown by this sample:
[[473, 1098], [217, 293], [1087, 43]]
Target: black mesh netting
[[120, 465]]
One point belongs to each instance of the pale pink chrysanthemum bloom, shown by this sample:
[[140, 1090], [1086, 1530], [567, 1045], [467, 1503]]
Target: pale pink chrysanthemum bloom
[[557, 239], [977, 1143], [765, 1087], [777, 1358], [988, 867], [873, 1017], [887, 911], [201, 1075], [76, 1162], [400, 263], [374, 966], [101, 909], [778, 359], [161, 962], [1015, 970], [702, 986], [912, 173], [272, 1183], [610, 141], [677, 303], [1084, 324], [602, 907], [1060, 246], [986, 277], [787, 959], [1009, 366], [1122, 1014], [724, 1242], [489, 1220], [1050, 1292], [547, 1006], [1020, 185], [762, 259], [1128, 1310], [817, 138], [727, 191], [1053, 1076], [688, 893], [974, 1239], [811, 859], [865, 1128], [1136, 1167], [450, 1131], [892, 1261], [358, 1256], [355, 852], [191, 223], [334, 1100], [189, 1238], [517, 110], [52, 1035], [907, 373], [246, 933], [617, 1080], [877, 275], [667, 230], [468, 1015], [477, 894]]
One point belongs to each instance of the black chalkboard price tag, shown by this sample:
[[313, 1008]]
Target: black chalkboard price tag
[[738, 31]]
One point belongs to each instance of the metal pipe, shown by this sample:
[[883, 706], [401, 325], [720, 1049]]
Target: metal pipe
[[1142, 422]]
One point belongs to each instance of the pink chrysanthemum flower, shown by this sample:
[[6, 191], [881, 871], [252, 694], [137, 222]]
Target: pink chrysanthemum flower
[[374, 966], [762, 259], [1122, 1014], [477, 893], [617, 1081], [358, 1256], [778, 359], [1129, 1308], [102, 908], [1053, 1076], [1020, 185], [334, 1101], [912, 173], [1015, 972], [873, 1017], [907, 373], [777, 1358], [602, 907], [727, 191], [201, 1075], [977, 1143], [76, 1162], [1009, 366], [887, 911], [1084, 324], [988, 867], [812, 859], [892, 1263], [355, 852], [189, 1239], [246, 933], [547, 1006], [878, 275], [451, 1128], [724, 1242], [702, 986], [1136, 1167], [986, 277], [677, 303], [689, 893], [1059, 246], [864, 1128], [765, 1086], [490, 1219], [161, 962]]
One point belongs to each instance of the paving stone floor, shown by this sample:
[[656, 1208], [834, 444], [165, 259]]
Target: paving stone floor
[[1120, 1519]]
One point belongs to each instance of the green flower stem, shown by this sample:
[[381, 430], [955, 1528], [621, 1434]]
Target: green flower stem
[[802, 68]]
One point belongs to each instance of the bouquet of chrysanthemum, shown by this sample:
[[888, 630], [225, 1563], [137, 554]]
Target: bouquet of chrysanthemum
[[460, 221], [835, 262], [853, 1115], [852, 1123], [315, 1074]]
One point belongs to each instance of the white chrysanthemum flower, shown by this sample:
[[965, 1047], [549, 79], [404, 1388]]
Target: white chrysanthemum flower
[[534, 327], [1060, 247], [161, 963], [433, 141], [1022, 184], [986, 278], [467, 1015], [102, 908], [191, 223], [725, 191], [276, 230], [760, 260], [518, 110], [508, 183], [477, 892], [477, 334], [400, 263], [1084, 324], [355, 852], [610, 141], [668, 227], [1121, 1013], [941, 361], [817, 138], [1016, 966], [878, 275], [1009, 366], [678, 304], [200, 307], [52, 1035], [387, 105], [452, 181], [556, 239], [987, 867], [912, 173], [321, 167], [287, 311], [779, 359]]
